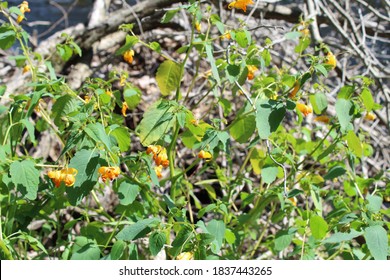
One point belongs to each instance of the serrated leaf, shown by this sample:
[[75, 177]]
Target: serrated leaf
[[367, 99], [377, 242], [118, 249], [318, 226], [243, 129], [168, 77], [122, 137], [127, 192], [319, 103], [62, 107], [339, 237], [86, 162], [211, 60], [7, 37], [268, 174], [137, 230], [157, 121], [269, 115], [156, 242], [334, 172], [97, 132], [85, 249], [25, 177], [344, 111], [354, 144]]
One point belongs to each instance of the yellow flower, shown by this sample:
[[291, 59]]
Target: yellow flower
[[122, 80], [226, 36], [158, 170], [66, 175], [205, 155], [185, 256], [370, 116], [26, 69], [251, 71], [240, 4], [293, 201], [87, 98], [305, 110], [128, 56], [294, 90], [109, 92], [124, 108], [331, 60], [109, 172], [198, 26], [305, 32], [323, 119], [160, 155], [23, 9]]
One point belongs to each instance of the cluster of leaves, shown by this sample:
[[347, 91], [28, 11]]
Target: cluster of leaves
[[298, 180]]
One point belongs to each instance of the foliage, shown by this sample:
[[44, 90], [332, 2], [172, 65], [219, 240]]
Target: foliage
[[263, 179]]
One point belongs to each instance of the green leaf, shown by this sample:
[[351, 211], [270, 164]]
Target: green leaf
[[181, 239], [269, 115], [62, 107], [374, 203], [318, 226], [137, 230], [3, 88], [344, 111], [319, 103], [7, 37], [97, 132], [122, 137], [117, 250], [132, 96], [129, 44], [25, 177], [206, 209], [156, 242], [127, 192], [243, 129], [320, 68], [354, 144], [283, 239], [76, 48], [211, 60], [87, 163], [216, 228], [155, 46], [230, 236], [85, 249], [304, 42], [339, 237], [157, 121], [377, 242], [167, 17], [335, 172], [367, 99], [346, 92], [30, 129], [168, 77], [268, 174], [242, 38], [65, 52], [292, 35]]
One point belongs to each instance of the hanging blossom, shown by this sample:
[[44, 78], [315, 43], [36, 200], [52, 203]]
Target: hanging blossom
[[124, 108], [109, 172], [128, 56], [205, 155], [240, 4], [323, 119], [370, 116], [66, 175], [23, 9], [305, 110], [160, 155], [251, 71], [331, 60]]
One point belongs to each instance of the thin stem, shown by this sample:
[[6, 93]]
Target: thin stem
[[279, 164]]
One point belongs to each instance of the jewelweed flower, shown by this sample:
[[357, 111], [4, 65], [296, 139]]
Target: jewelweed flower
[[128, 56], [158, 170], [226, 36], [160, 155], [122, 80], [251, 71], [26, 69], [305, 110], [331, 60], [323, 119], [185, 256], [124, 108], [109, 172], [294, 90], [66, 175], [370, 116], [240, 4], [293, 201], [198, 26], [23, 9], [205, 155]]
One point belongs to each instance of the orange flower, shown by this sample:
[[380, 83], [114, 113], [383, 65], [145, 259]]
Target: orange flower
[[293, 201], [26, 69], [205, 155], [23, 9], [294, 90], [155, 149], [331, 60], [109, 172], [66, 175], [226, 36], [305, 32], [124, 108], [158, 170], [128, 56], [370, 116], [251, 71], [323, 119], [240, 4], [160, 155], [305, 110], [87, 98]]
